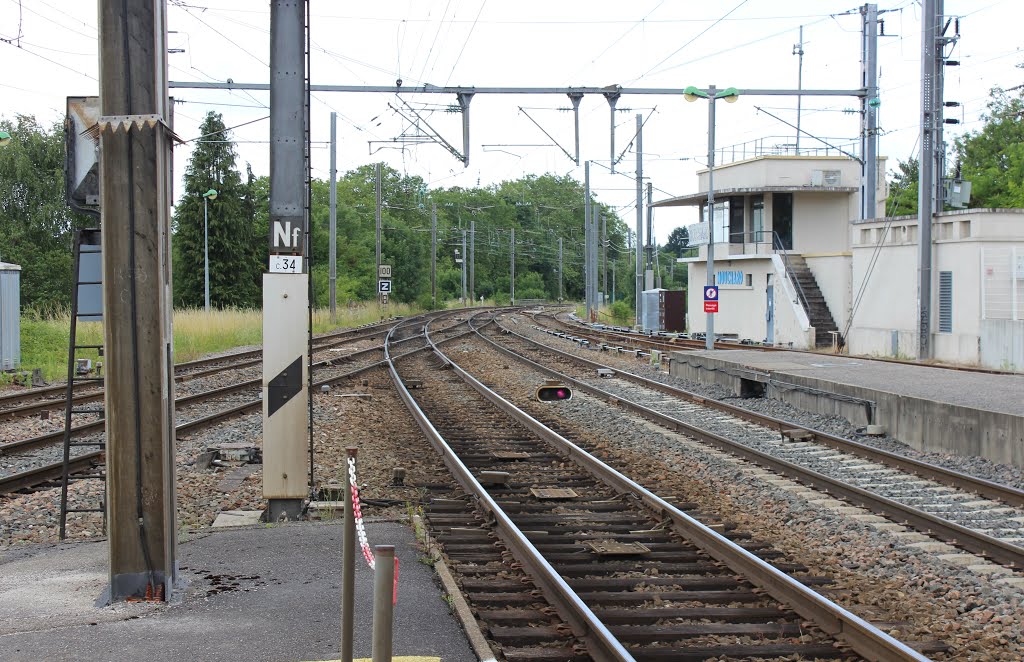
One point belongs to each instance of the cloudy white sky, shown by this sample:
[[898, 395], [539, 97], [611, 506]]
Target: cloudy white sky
[[49, 51]]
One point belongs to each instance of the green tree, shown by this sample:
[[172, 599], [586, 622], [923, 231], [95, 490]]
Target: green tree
[[234, 247], [903, 189], [36, 225], [992, 159], [678, 241]]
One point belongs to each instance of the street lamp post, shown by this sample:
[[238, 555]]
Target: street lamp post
[[730, 95], [209, 195]]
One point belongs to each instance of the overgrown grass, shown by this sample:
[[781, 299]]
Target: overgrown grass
[[44, 338]]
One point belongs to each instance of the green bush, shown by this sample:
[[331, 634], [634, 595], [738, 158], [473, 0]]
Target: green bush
[[621, 312]]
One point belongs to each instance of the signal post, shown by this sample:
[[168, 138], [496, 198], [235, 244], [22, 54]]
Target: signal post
[[286, 284]]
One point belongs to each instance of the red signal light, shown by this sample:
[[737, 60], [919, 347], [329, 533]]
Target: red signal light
[[553, 393]]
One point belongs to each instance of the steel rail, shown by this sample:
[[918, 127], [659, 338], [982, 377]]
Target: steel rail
[[990, 489], [42, 440], [951, 532], [31, 394], [862, 637], [24, 479], [38, 475], [585, 624]]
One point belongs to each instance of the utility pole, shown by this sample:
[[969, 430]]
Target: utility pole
[[657, 264], [512, 266], [639, 216], [380, 204], [464, 256], [798, 49], [334, 216], [433, 254], [472, 260], [587, 267], [135, 174], [560, 270], [649, 268], [869, 112], [604, 253], [930, 54], [286, 414]]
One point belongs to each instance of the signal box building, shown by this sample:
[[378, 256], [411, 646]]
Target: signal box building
[[782, 247], [796, 265]]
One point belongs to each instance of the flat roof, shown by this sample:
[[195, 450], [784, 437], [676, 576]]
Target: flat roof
[[693, 199]]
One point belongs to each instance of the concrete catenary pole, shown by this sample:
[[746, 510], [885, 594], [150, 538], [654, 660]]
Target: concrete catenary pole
[[433, 254], [465, 259], [512, 265], [649, 267], [334, 217], [586, 238], [135, 174], [798, 50], [869, 112], [377, 216], [561, 270], [639, 216], [604, 253], [286, 414], [472, 260], [929, 46]]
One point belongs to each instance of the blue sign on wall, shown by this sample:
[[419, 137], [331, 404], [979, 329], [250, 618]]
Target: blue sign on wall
[[729, 278]]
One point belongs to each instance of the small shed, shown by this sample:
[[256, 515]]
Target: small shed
[[10, 316]]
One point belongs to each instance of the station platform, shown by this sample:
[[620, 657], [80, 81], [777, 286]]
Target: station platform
[[930, 409], [253, 593]]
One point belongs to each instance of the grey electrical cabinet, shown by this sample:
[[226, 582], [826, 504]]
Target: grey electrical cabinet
[[10, 316]]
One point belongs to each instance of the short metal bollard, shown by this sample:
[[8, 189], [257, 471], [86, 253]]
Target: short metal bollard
[[383, 605], [348, 569]]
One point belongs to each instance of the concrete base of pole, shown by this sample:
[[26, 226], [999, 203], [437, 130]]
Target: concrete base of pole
[[284, 509]]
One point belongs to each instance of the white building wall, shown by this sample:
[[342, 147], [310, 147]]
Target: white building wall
[[820, 222], [889, 300], [743, 309]]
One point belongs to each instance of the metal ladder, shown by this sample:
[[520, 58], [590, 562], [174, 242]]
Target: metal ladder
[[85, 306]]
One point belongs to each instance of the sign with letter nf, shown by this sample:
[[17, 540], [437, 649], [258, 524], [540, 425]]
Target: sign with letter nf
[[286, 237], [384, 286]]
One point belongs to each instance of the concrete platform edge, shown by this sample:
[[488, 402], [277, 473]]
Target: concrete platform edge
[[462, 610]]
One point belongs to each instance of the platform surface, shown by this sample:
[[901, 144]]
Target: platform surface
[[256, 593], [978, 390]]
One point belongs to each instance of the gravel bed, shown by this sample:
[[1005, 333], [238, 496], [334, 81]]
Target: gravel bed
[[974, 466], [876, 575]]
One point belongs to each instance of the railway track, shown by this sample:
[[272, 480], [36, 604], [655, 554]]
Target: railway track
[[983, 517], [337, 369], [41, 399], [612, 570]]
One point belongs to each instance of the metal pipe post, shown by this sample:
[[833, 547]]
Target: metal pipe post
[[649, 249], [575, 98], [604, 254], [869, 112], [799, 51], [639, 216], [710, 332], [383, 605], [334, 217], [472, 260], [348, 567], [206, 252]]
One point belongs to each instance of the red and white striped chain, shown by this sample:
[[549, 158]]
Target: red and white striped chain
[[357, 510]]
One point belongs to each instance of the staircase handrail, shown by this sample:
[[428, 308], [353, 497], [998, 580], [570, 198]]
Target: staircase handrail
[[781, 250]]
